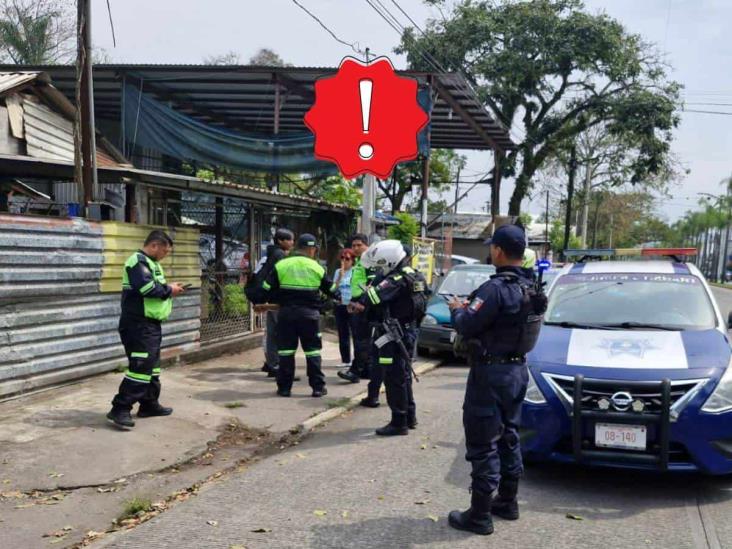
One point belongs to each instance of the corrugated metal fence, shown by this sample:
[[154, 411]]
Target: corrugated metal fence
[[59, 298]]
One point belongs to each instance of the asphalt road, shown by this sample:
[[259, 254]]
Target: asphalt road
[[343, 487]]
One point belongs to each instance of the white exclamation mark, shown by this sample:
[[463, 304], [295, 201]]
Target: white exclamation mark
[[365, 151]]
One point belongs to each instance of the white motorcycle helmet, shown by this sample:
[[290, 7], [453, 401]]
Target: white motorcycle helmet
[[384, 255]]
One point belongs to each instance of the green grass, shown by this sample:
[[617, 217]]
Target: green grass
[[340, 403], [232, 405], [134, 506]]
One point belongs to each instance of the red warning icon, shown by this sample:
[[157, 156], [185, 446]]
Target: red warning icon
[[366, 118]]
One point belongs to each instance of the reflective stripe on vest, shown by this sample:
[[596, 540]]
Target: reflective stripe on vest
[[155, 308]]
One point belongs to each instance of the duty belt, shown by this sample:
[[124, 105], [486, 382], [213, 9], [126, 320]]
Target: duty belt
[[503, 359]]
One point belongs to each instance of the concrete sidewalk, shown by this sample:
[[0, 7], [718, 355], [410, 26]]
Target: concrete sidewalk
[[62, 466]]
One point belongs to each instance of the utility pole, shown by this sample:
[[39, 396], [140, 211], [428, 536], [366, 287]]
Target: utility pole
[[369, 194], [84, 138], [546, 226], [727, 220], [586, 202], [457, 192], [570, 194]]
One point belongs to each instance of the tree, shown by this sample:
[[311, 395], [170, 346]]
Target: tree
[[36, 32], [444, 165], [228, 58], [267, 58], [556, 71], [407, 229]]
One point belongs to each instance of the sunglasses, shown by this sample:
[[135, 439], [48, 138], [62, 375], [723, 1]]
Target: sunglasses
[[347, 257]]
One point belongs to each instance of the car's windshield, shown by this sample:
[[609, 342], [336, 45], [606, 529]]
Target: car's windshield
[[635, 300], [463, 281]]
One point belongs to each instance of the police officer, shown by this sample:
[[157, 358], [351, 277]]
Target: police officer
[[284, 240], [147, 300], [360, 278], [394, 298], [500, 322], [296, 283]]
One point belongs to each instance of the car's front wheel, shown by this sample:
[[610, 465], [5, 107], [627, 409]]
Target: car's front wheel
[[423, 351]]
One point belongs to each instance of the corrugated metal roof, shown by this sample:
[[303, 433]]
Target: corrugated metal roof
[[241, 97], [10, 81]]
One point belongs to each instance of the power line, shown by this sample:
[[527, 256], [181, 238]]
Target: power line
[[707, 112], [354, 46]]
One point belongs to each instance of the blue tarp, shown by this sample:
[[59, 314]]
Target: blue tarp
[[151, 124]]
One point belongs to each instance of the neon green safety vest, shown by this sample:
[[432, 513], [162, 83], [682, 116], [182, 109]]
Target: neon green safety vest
[[154, 307]]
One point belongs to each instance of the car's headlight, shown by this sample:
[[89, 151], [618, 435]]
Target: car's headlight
[[533, 393], [429, 320], [721, 398]]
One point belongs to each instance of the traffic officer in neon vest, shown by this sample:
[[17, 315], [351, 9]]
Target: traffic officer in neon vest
[[297, 283], [500, 322], [361, 277], [147, 301], [399, 297]]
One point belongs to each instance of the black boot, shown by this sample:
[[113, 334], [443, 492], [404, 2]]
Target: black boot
[[283, 392], [412, 421], [153, 410], [348, 375], [477, 519], [121, 418], [317, 393], [369, 402], [506, 504], [390, 430]]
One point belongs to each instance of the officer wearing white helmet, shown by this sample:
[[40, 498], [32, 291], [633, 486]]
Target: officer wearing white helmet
[[399, 298]]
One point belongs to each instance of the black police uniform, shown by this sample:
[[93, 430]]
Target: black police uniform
[[146, 302], [361, 367], [497, 317], [392, 297], [296, 283]]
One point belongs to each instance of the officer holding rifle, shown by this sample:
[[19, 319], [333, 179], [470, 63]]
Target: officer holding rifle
[[396, 304]]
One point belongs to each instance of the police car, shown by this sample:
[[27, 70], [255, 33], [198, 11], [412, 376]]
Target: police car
[[632, 367]]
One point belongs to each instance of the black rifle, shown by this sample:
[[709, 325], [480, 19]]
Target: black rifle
[[393, 332]]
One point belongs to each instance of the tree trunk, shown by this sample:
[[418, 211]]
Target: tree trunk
[[597, 219], [519, 192]]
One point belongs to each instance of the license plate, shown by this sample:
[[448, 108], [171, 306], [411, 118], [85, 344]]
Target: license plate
[[452, 337], [628, 437]]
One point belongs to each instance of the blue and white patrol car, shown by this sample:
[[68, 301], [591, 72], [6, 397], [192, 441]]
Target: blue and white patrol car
[[632, 368]]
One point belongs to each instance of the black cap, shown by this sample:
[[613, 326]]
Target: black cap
[[307, 240], [283, 234], [510, 239]]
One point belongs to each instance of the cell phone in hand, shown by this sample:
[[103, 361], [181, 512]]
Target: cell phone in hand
[[187, 286]]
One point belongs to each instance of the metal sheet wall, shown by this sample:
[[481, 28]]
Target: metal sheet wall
[[55, 322]]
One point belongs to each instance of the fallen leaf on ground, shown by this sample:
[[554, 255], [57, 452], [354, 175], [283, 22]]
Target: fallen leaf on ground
[[422, 502], [237, 547], [262, 530], [24, 506], [574, 517], [120, 481], [91, 534], [319, 513], [58, 497], [344, 514], [423, 447], [380, 498], [300, 455], [433, 518], [212, 522], [6, 481]]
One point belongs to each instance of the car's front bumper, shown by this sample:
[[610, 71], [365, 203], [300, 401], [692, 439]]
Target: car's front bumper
[[436, 337], [695, 441]]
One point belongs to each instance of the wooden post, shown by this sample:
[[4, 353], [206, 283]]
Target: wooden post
[[85, 162]]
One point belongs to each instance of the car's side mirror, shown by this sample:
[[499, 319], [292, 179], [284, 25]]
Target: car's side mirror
[[729, 321]]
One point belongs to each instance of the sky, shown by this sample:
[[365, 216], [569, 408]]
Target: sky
[[693, 34]]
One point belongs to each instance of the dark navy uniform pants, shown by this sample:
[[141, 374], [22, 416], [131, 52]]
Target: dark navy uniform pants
[[491, 418], [394, 369], [361, 331], [141, 340], [299, 324]]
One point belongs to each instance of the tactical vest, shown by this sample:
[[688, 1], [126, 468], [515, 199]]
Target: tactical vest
[[513, 334], [153, 307]]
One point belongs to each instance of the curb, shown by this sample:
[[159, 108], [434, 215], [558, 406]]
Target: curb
[[311, 423]]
